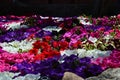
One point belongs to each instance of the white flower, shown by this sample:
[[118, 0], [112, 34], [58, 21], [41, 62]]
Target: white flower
[[44, 17], [58, 19], [95, 53], [16, 46], [52, 28], [10, 75], [14, 25], [83, 20], [28, 77], [68, 52], [92, 39], [81, 52], [108, 37]]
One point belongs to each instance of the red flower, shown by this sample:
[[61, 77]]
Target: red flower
[[33, 51], [46, 49], [77, 44], [62, 25], [47, 54], [45, 46], [39, 57], [51, 53], [37, 44], [47, 38], [55, 52], [63, 45], [55, 44]]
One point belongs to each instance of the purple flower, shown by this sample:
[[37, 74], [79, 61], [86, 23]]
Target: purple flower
[[22, 34], [54, 69], [43, 34]]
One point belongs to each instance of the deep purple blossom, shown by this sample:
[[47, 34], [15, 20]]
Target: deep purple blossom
[[22, 34], [96, 27], [43, 33], [54, 69], [14, 35]]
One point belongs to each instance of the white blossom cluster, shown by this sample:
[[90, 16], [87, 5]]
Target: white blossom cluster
[[95, 53], [17, 46], [14, 25], [10, 76], [84, 20], [52, 28]]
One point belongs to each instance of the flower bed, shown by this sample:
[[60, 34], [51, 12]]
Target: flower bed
[[47, 47]]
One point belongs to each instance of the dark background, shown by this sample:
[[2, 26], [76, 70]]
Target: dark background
[[60, 7]]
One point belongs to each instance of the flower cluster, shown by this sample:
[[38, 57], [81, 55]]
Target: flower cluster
[[10, 76], [86, 53], [47, 47], [11, 22], [7, 60], [17, 46], [55, 67], [112, 61], [87, 38], [23, 33]]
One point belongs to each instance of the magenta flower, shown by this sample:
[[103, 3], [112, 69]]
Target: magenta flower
[[112, 61]]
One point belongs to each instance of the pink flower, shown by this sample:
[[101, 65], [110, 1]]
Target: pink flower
[[68, 34], [117, 36], [95, 34], [101, 29], [7, 60], [112, 61], [118, 16], [14, 68]]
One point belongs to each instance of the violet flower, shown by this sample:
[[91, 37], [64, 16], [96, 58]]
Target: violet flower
[[54, 68], [22, 34]]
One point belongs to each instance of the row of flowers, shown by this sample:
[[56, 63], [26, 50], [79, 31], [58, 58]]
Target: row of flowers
[[47, 47]]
